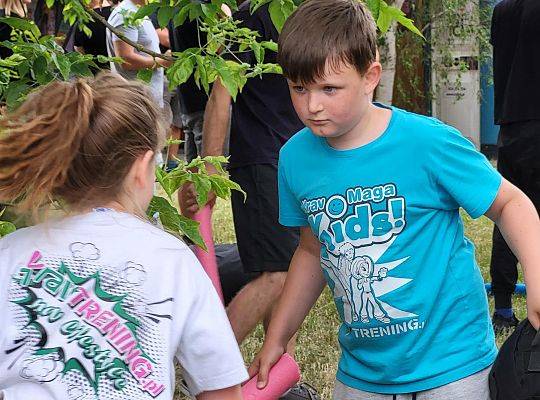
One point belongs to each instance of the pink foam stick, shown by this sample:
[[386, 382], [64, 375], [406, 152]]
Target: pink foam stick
[[282, 376], [208, 258]]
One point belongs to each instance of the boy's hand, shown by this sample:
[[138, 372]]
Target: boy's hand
[[263, 362]]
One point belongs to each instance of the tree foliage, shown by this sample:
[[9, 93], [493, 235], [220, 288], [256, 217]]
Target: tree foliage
[[39, 59]]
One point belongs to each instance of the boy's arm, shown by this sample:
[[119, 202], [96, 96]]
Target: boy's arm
[[304, 284], [518, 221]]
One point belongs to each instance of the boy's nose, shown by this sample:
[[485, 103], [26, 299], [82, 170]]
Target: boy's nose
[[314, 103]]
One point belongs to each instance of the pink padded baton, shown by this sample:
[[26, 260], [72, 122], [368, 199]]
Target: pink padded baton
[[208, 258], [283, 375]]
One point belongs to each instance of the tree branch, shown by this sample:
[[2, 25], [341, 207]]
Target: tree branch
[[122, 37]]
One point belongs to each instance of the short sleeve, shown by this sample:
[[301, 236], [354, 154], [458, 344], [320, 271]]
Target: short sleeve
[[290, 211], [208, 351], [464, 176], [130, 32]]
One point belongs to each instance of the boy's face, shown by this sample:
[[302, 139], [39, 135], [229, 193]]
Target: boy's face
[[334, 106]]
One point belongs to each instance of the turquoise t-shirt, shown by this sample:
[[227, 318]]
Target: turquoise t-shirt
[[404, 277]]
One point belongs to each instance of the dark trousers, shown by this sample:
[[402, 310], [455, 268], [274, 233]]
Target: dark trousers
[[519, 162]]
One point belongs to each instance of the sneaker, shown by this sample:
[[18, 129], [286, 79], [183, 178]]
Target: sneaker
[[502, 324], [301, 391]]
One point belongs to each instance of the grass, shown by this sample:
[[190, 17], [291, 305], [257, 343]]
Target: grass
[[317, 351]]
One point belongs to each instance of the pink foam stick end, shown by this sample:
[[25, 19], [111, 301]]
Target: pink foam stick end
[[208, 258], [283, 376]]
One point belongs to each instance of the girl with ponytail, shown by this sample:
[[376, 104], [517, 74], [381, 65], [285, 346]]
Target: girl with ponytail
[[98, 303]]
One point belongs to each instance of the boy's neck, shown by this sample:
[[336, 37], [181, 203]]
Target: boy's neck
[[370, 127]]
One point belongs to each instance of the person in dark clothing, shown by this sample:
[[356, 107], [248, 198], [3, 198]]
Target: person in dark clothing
[[516, 62], [97, 43], [262, 120], [192, 99], [10, 8]]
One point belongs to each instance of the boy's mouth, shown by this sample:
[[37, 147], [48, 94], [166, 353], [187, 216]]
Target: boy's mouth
[[319, 122]]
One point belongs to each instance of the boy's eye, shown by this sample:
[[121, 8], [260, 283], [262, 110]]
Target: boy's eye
[[299, 89], [329, 89]]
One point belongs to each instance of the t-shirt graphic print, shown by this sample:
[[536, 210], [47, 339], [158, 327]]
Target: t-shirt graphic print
[[353, 246], [93, 317], [92, 328]]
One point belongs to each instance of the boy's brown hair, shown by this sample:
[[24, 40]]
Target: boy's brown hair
[[321, 31], [76, 142]]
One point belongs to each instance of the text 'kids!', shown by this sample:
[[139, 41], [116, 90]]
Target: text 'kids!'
[[99, 303], [376, 191]]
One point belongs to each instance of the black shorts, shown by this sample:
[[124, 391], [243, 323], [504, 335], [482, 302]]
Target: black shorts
[[263, 243]]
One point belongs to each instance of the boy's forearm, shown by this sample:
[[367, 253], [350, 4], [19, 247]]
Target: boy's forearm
[[303, 286], [519, 224], [216, 121]]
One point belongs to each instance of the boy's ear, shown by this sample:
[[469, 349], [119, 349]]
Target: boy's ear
[[373, 76]]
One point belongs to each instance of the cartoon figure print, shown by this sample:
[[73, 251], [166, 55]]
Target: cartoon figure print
[[365, 303], [42, 368]]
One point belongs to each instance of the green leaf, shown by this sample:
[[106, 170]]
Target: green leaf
[[145, 75], [181, 70], [145, 11], [409, 24], [280, 11], [41, 70], [270, 45], [81, 69], [210, 10], [272, 69], [373, 6], [49, 3], [195, 11], [63, 64], [181, 16], [258, 50], [389, 14], [173, 221], [202, 186], [385, 17], [15, 93], [6, 228], [256, 4], [87, 31], [22, 24], [222, 186], [173, 180], [227, 78], [165, 14]]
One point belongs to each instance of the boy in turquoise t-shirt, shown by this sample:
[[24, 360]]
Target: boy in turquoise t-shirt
[[376, 192]]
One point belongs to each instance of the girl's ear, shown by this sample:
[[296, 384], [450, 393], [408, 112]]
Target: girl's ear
[[142, 167]]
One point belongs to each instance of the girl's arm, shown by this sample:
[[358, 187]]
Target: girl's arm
[[304, 284], [231, 393], [518, 221]]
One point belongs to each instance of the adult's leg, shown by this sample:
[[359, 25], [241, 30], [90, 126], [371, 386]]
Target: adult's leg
[[264, 246], [254, 303]]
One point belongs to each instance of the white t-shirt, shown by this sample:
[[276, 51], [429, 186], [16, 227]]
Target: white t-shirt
[[97, 306], [144, 34]]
